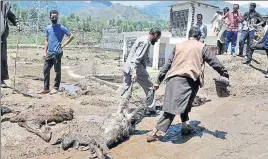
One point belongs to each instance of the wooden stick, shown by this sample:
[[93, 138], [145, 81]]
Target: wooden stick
[[14, 79]]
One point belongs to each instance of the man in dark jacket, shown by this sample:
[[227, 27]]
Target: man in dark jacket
[[8, 15], [262, 44], [184, 73], [250, 25]]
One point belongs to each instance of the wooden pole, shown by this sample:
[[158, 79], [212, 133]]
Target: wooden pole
[[14, 79]]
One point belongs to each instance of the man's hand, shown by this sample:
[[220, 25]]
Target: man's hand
[[134, 77], [156, 86]]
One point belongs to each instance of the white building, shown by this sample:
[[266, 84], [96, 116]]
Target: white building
[[182, 17], [157, 52]]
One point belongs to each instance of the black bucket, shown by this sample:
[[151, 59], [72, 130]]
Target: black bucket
[[222, 84]]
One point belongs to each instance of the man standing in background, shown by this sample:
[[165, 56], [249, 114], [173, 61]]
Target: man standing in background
[[202, 27], [216, 20], [234, 18], [53, 51], [262, 44], [221, 33], [6, 15], [249, 27]]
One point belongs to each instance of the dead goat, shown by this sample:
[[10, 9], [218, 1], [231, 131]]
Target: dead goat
[[115, 129], [33, 119]]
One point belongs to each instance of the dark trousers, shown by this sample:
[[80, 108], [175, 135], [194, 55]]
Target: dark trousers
[[4, 67], [220, 47], [260, 46], [245, 34], [52, 60], [230, 35], [166, 120]]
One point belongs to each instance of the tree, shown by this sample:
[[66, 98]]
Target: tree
[[63, 21], [24, 15], [77, 19], [71, 17]]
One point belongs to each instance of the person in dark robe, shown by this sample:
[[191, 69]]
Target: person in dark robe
[[8, 15], [184, 73]]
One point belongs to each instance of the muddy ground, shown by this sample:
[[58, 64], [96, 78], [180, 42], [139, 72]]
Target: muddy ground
[[233, 127]]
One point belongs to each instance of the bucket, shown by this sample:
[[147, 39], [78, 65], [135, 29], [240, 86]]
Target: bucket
[[222, 84]]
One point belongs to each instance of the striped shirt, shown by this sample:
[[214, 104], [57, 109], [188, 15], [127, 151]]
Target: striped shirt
[[234, 18]]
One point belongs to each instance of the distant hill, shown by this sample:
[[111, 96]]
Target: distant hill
[[161, 9], [64, 7], [97, 10], [105, 10], [116, 11]]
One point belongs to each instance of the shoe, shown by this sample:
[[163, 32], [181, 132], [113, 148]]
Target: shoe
[[3, 84], [241, 55], [246, 62], [53, 91], [150, 112], [45, 91], [152, 138], [266, 76], [187, 131], [233, 54]]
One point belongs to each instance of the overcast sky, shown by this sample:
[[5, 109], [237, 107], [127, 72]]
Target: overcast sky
[[144, 3]]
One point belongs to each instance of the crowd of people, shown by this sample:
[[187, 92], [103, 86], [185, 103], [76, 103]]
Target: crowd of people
[[253, 30], [183, 71]]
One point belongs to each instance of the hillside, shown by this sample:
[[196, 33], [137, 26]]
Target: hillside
[[105, 10], [116, 11], [64, 7]]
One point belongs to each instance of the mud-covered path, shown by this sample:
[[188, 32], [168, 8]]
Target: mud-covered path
[[233, 127]]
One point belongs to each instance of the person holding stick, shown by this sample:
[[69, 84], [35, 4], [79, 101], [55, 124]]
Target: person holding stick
[[6, 15]]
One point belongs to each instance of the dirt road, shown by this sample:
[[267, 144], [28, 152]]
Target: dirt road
[[233, 127]]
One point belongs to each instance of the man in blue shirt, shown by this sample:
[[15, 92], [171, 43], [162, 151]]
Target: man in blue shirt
[[260, 45], [53, 51]]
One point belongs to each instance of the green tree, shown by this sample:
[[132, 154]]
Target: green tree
[[77, 19], [71, 17], [63, 21]]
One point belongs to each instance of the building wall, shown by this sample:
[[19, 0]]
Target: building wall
[[111, 38], [207, 12]]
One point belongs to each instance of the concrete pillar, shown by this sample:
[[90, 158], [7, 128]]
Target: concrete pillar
[[156, 55], [124, 48]]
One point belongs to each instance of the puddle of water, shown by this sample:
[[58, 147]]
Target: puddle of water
[[70, 88]]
